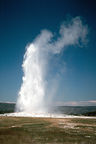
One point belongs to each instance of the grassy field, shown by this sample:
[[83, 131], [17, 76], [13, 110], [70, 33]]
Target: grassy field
[[16, 130]]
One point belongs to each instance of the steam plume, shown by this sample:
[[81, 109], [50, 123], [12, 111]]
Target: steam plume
[[32, 94]]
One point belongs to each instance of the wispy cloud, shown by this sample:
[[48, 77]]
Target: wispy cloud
[[7, 102], [76, 103]]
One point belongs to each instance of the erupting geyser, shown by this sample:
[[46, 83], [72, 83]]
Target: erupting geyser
[[32, 90], [32, 96]]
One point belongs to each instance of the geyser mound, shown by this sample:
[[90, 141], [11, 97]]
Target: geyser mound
[[34, 94]]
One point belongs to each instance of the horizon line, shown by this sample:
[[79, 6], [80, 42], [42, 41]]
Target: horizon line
[[67, 103]]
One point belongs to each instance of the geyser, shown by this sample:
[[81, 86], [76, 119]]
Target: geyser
[[33, 94], [32, 90]]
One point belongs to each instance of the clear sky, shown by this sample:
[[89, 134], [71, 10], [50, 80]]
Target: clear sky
[[22, 20]]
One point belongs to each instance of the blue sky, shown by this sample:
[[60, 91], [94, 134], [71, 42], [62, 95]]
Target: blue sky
[[22, 20]]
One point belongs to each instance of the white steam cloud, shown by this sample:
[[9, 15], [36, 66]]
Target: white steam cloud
[[32, 94]]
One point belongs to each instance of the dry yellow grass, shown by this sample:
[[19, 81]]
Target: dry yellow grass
[[16, 130]]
